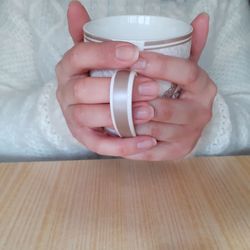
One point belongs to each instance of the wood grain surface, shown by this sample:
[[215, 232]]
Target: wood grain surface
[[118, 204]]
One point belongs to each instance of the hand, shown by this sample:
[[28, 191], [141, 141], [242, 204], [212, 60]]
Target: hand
[[178, 123], [84, 100]]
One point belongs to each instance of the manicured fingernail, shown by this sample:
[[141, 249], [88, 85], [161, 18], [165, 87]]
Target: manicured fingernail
[[148, 89], [143, 112], [140, 64], [127, 52], [147, 144]]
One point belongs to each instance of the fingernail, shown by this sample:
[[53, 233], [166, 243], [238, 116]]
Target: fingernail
[[126, 52], [143, 112], [71, 1], [204, 13], [147, 144], [148, 89], [140, 64]]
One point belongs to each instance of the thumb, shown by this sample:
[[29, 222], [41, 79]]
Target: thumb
[[199, 38], [77, 17]]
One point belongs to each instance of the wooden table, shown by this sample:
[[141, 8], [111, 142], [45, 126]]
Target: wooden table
[[117, 204]]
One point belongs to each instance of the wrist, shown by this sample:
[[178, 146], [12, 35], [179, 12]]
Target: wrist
[[215, 137]]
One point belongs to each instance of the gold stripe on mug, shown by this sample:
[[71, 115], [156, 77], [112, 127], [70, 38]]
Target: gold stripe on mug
[[148, 43], [167, 41], [146, 47], [168, 45]]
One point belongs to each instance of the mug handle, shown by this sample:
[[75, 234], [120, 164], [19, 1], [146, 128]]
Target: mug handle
[[121, 91]]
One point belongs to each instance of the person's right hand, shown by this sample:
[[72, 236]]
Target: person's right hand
[[84, 100]]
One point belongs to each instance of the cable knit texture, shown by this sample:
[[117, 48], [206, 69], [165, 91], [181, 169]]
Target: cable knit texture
[[34, 37]]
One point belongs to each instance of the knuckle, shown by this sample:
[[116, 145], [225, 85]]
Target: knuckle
[[157, 63], [72, 57], [206, 116], [155, 132], [108, 49], [76, 114], [148, 156], [193, 72], [59, 95], [163, 109], [107, 54], [180, 151], [78, 89], [161, 64], [192, 130], [168, 113], [165, 114]]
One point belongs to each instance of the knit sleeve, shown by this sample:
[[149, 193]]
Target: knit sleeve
[[229, 130], [32, 126]]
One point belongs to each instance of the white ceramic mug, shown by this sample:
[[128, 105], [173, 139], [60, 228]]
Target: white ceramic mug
[[153, 33]]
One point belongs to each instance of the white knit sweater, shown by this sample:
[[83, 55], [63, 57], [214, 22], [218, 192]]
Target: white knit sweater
[[34, 37]]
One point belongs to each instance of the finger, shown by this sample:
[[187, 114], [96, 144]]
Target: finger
[[90, 115], [167, 132], [203, 93], [77, 17], [165, 151], [159, 66], [99, 115], [199, 36], [113, 146], [180, 112], [95, 90], [107, 55]]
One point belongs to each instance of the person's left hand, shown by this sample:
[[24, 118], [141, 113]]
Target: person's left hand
[[178, 123]]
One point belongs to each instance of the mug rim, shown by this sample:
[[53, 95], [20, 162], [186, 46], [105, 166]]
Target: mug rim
[[90, 36]]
